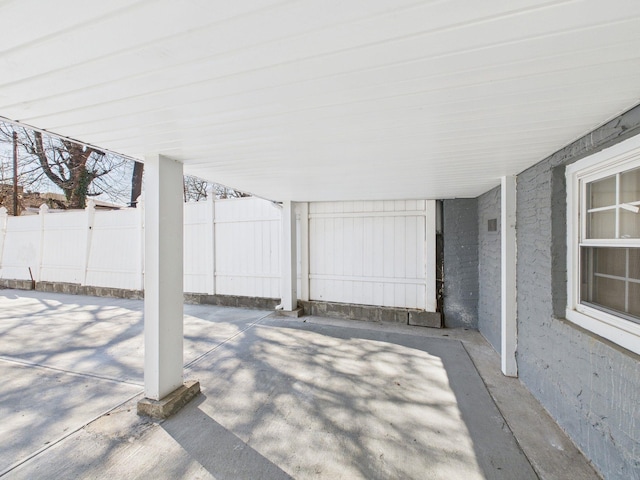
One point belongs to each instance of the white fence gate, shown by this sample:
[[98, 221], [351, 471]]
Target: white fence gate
[[371, 253]]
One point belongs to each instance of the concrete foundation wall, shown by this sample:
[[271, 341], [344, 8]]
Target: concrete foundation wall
[[489, 268], [372, 313], [239, 301], [192, 298], [460, 238], [591, 387]]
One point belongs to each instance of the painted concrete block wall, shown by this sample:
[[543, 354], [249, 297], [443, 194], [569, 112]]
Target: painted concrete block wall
[[591, 387], [460, 234], [489, 269]]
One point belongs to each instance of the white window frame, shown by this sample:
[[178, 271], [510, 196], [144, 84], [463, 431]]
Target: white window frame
[[620, 157]]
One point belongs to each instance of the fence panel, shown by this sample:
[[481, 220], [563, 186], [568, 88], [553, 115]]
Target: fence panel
[[115, 257], [370, 253], [247, 254], [21, 248], [64, 246], [198, 247]]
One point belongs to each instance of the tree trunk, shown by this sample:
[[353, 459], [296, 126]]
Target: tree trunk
[[136, 183], [77, 194]]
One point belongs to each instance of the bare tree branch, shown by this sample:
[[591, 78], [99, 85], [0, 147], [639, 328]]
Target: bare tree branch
[[78, 170]]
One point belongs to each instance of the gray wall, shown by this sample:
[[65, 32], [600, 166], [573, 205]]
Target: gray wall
[[591, 387], [460, 237], [489, 268]]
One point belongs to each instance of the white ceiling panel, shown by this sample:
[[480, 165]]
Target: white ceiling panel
[[331, 100]]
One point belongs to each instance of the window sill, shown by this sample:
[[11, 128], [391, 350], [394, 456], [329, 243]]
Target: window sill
[[621, 332]]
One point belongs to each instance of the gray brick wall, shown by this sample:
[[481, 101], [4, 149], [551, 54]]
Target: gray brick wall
[[489, 267], [460, 234], [591, 387]]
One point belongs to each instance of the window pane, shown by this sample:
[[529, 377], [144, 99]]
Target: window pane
[[629, 224], [608, 293], [607, 279], [630, 186], [602, 193], [602, 224], [610, 261], [634, 263]]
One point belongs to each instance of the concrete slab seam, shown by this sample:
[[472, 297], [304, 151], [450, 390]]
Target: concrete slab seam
[[199, 358], [69, 372], [66, 435], [495, 403]]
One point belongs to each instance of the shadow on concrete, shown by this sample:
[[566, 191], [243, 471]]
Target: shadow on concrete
[[281, 399], [100, 340], [39, 406], [351, 403], [223, 454], [65, 359]]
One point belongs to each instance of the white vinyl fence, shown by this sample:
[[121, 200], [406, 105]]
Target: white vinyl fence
[[247, 253], [106, 248], [371, 253], [98, 248]]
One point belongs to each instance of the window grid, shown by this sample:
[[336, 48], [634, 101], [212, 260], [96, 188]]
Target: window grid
[[617, 207], [587, 232], [627, 279]]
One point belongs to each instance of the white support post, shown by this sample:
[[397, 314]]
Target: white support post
[[508, 278], [430, 256], [163, 279], [303, 215], [288, 274]]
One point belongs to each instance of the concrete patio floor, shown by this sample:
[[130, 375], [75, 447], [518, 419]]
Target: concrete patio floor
[[281, 398]]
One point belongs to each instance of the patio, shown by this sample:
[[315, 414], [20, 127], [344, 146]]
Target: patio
[[281, 398]]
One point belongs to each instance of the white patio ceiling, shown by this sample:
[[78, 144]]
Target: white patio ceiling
[[324, 100]]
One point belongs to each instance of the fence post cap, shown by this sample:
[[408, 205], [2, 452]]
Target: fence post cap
[[3, 212], [44, 208]]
